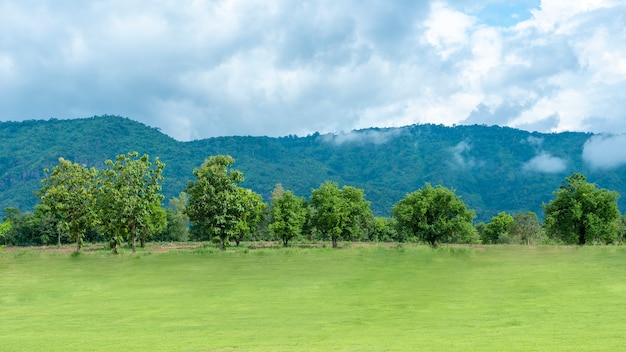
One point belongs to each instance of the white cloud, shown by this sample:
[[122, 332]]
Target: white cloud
[[447, 29], [244, 67], [545, 163], [376, 137], [605, 151], [461, 156]]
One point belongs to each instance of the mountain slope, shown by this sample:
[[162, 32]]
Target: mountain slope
[[494, 169]]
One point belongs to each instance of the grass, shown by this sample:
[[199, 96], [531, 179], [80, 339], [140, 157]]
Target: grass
[[408, 298]]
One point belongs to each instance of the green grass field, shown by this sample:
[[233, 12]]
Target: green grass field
[[370, 298]]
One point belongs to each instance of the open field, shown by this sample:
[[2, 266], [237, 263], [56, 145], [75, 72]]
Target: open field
[[368, 298]]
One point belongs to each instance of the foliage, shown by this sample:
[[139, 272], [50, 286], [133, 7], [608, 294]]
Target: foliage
[[385, 231], [70, 191], [288, 215], [32, 228], [250, 215], [580, 213], [486, 165], [340, 213], [435, 215], [5, 227], [213, 198], [621, 234], [526, 229], [130, 198], [498, 229], [177, 221], [156, 222]]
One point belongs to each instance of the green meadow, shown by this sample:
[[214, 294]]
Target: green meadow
[[363, 298]]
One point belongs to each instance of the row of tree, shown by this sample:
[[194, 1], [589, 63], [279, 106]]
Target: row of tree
[[123, 200], [122, 203]]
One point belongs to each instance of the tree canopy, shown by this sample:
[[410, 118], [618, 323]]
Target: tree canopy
[[581, 213], [339, 213], [213, 198], [435, 215], [288, 215], [131, 199], [251, 208], [498, 228], [70, 190]]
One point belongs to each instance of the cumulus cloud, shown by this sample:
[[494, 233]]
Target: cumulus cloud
[[605, 151], [243, 67], [545, 163]]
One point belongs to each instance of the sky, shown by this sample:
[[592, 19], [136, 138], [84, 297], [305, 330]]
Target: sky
[[205, 68]]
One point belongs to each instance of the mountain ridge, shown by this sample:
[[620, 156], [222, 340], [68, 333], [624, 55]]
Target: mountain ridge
[[493, 168]]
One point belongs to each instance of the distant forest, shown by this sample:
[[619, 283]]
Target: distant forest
[[493, 169]]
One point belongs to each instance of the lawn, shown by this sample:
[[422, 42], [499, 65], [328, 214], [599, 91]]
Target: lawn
[[366, 298]]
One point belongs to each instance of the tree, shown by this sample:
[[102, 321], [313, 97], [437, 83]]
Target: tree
[[497, 229], [288, 215], [177, 220], [385, 230], [5, 227], [580, 213], [213, 207], [250, 213], [155, 223], [43, 223], [339, 213], [526, 228], [435, 215], [277, 192], [70, 191], [130, 198], [621, 232]]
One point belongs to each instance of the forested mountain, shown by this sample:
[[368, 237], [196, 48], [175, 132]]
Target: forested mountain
[[493, 168]]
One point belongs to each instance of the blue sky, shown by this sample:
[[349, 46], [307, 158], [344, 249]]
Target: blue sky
[[198, 69]]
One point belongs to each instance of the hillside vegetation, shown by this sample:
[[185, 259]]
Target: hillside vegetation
[[492, 168]]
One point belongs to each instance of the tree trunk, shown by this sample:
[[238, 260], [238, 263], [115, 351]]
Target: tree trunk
[[581, 237], [132, 233], [142, 243], [285, 241], [77, 243], [58, 238], [221, 244], [334, 242]]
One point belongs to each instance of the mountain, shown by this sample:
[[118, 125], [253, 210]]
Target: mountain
[[493, 168]]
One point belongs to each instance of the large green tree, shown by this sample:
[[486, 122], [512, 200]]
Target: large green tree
[[340, 213], [250, 215], [288, 215], [69, 190], [213, 198], [435, 215], [130, 198], [581, 213]]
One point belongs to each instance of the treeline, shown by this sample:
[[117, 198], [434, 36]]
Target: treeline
[[122, 204]]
